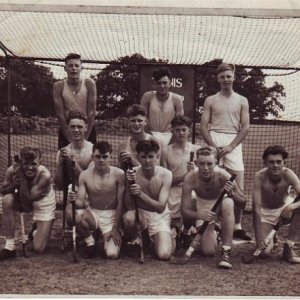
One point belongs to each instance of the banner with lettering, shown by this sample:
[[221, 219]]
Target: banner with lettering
[[182, 83]]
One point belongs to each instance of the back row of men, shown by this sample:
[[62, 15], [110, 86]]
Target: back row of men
[[171, 198]]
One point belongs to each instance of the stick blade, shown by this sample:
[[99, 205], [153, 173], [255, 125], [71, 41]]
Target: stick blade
[[175, 260]]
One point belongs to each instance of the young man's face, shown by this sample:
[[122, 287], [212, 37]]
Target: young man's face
[[77, 129], [180, 133], [137, 124], [101, 160], [275, 164], [206, 165], [147, 160], [73, 68], [162, 85], [226, 79], [30, 167]]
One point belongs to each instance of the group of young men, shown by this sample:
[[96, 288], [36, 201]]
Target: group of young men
[[174, 182]]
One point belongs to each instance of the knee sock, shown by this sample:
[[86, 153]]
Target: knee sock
[[10, 244], [90, 241]]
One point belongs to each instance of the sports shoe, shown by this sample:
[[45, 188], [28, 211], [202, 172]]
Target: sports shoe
[[289, 255], [225, 259], [6, 254], [241, 234]]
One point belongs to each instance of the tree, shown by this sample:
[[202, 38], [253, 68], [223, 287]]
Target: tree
[[263, 101], [118, 85], [31, 88]]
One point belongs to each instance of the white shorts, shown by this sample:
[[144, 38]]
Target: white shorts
[[104, 219], [174, 201], [44, 209], [203, 204], [272, 216], [234, 159], [164, 137], [156, 222]]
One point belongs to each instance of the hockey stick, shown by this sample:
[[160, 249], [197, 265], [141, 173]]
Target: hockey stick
[[24, 238], [185, 258], [73, 212], [251, 257], [137, 220], [65, 199]]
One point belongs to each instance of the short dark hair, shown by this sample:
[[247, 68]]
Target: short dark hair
[[225, 67], [102, 147], [135, 110], [76, 114], [147, 146], [30, 153], [180, 120], [72, 56], [273, 150], [158, 74], [206, 151]]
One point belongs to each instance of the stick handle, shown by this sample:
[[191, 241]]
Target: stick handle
[[192, 153], [214, 208]]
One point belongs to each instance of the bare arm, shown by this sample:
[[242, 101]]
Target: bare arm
[[145, 101], [188, 212], [59, 108], [81, 194], [245, 125], [205, 119], [295, 183], [256, 201], [120, 195], [91, 105], [38, 191], [159, 204], [178, 104]]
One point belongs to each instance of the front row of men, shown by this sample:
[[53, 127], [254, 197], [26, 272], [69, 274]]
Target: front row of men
[[105, 192]]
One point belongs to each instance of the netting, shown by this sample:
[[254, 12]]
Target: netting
[[175, 39], [179, 39]]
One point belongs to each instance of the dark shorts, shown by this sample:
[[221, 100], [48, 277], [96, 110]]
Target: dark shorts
[[63, 142]]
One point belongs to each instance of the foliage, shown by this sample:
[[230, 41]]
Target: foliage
[[31, 88], [118, 85], [263, 101]]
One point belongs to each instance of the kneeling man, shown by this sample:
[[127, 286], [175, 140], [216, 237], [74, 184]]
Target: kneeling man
[[208, 181], [150, 187], [27, 187], [100, 195], [271, 200]]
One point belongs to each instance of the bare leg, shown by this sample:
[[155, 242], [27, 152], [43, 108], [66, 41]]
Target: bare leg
[[208, 241], [227, 210], [42, 235], [8, 217], [295, 225], [163, 245], [111, 250]]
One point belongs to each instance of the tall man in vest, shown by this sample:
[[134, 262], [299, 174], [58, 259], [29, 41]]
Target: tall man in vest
[[162, 105], [224, 125], [74, 93]]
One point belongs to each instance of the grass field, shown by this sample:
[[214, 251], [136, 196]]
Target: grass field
[[54, 273]]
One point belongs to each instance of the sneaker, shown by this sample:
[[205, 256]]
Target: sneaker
[[185, 241], [289, 255], [6, 254], [241, 234], [225, 259], [89, 251]]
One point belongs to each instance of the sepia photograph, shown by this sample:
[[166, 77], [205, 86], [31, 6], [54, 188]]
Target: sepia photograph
[[149, 149]]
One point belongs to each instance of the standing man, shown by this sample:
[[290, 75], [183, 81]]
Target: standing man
[[137, 120], [100, 195], [224, 125], [271, 200], [151, 189], [162, 105], [207, 182], [74, 93], [176, 158], [31, 191]]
